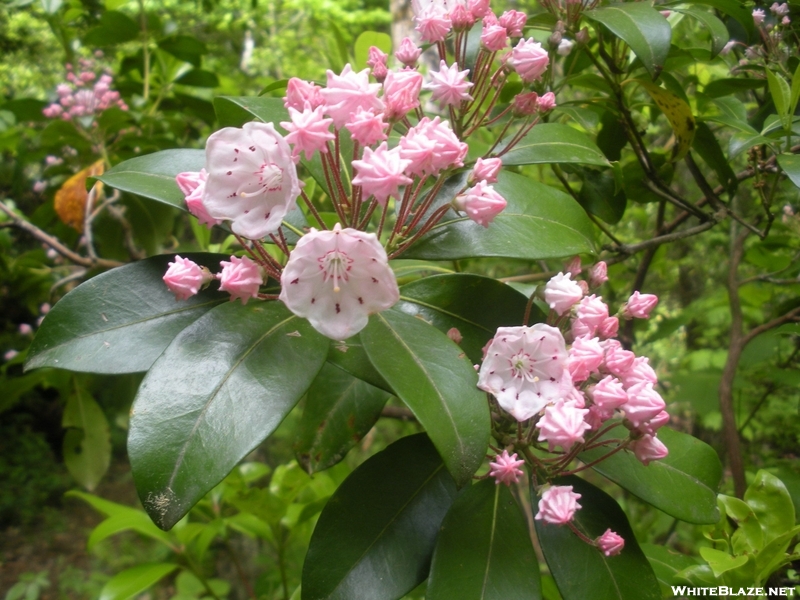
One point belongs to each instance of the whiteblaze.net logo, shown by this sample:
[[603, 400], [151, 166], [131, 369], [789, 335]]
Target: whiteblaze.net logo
[[682, 591]]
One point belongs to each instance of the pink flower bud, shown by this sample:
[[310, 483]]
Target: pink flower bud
[[486, 169], [608, 328], [44, 308], [585, 358], [39, 187], [346, 92], [433, 25], [454, 334], [494, 37], [525, 104], [640, 305], [513, 21], [643, 404], [505, 468], [401, 92], [558, 505], [758, 16], [609, 394], [408, 53], [529, 60], [461, 18], [376, 56], [654, 424], [366, 127], [618, 360], [308, 131], [561, 293], [597, 416], [193, 185], [241, 278], [546, 103], [184, 278], [610, 543], [481, 203], [478, 8], [562, 425], [640, 371], [573, 267], [10, 355], [380, 173], [598, 274], [449, 85], [432, 146], [648, 448], [299, 92], [779, 10], [25, 329], [590, 314]]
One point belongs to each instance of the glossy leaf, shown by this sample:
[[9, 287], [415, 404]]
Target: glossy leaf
[[722, 562], [738, 11], [716, 28], [350, 356], [640, 26], [539, 222], [339, 410], [684, 484], [678, 113], [666, 565], [474, 305], [121, 320], [484, 549], [790, 163], [555, 143], [153, 175], [131, 582], [741, 141], [236, 111], [375, 537], [221, 387], [600, 197], [772, 505], [582, 571], [748, 537], [437, 381], [773, 555], [87, 442]]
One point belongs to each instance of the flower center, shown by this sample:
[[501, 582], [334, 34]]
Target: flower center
[[335, 265], [522, 366], [270, 179]]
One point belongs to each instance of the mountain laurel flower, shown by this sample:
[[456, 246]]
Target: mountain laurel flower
[[597, 416], [529, 60], [608, 394], [408, 53], [308, 131], [461, 18], [644, 403], [494, 37], [300, 92], [610, 543], [505, 468], [758, 16], [252, 179], [432, 146], [366, 127], [598, 274], [380, 173], [558, 505], [184, 278], [376, 56], [525, 104], [591, 311], [513, 21], [652, 426], [618, 360], [525, 369], [478, 8], [401, 93], [481, 203], [562, 425], [546, 102], [608, 328], [640, 371], [432, 20], [336, 279], [585, 357], [561, 293], [639, 305], [779, 10], [449, 85], [193, 185], [241, 278], [486, 169], [346, 92], [565, 47], [649, 448]]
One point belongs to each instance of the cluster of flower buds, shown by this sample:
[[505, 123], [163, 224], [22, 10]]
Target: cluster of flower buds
[[568, 383], [27, 330], [771, 25], [85, 94], [337, 277]]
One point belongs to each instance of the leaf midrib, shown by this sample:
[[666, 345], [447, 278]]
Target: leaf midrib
[[439, 309], [503, 217], [491, 541]]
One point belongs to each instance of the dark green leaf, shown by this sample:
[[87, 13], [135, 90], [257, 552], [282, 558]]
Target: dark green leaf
[[153, 175], [375, 537], [115, 28], [350, 356], [437, 382], [120, 321], [600, 197], [26, 109], [640, 26], [236, 111], [339, 410], [484, 550], [717, 88], [198, 78], [790, 163], [474, 305], [222, 386], [717, 29], [184, 47], [539, 222], [684, 484], [741, 141], [555, 143], [706, 145], [582, 571], [132, 582], [666, 565], [737, 10], [609, 139], [87, 443]]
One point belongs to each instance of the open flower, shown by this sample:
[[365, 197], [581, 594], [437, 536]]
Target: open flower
[[252, 179], [336, 279], [525, 369]]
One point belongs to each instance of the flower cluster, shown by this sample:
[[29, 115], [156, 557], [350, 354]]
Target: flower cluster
[[84, 94], [336, 277], [568, 383]]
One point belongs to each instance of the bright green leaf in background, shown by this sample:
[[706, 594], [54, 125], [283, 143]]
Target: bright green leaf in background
[[363, 43], [87, 442], [132, 582], [555, 143]]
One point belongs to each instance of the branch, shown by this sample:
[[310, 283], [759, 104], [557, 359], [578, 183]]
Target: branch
[[792, 315], [56, 244]]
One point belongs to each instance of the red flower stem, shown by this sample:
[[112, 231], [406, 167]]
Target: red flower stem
[[268, 296], [518, 136], [403, 209], [357, 194], [331, 190], [279, 243], [487, 112], [499, 137], [601, 432], [579, 534], [442, 50], [594, 462], [337, 177], [435, 217], [383, 218], [368, 216], [312, 209], [270, 265], [422, 209]]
